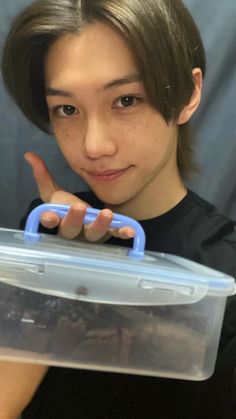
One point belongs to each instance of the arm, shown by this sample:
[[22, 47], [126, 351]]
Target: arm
[[18, 383]]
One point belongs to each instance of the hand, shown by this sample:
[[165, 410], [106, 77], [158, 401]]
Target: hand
[[71, 225]]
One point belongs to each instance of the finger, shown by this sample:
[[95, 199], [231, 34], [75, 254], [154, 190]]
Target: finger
[[69, 225], [72, 224], [99, 228], [43, 178], [50, 219], [123, 233]]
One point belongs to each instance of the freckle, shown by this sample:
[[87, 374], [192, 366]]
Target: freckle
[[65, 135]]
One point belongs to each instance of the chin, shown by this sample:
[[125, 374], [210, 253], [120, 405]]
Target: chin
[[110, 199]]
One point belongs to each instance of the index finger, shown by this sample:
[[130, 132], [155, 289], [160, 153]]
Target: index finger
[[45, 182]]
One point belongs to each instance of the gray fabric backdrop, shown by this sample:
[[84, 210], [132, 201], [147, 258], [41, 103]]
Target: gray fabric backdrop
[[214, 125]]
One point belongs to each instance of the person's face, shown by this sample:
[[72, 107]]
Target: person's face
[[103, 122]]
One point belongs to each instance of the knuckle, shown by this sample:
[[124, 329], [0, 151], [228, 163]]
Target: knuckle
[[68, 233]]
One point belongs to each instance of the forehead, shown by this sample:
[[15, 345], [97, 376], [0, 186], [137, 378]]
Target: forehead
[[93, 57]]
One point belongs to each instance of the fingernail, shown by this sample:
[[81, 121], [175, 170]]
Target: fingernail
[[107, 213], [130, 234], [46, 219]]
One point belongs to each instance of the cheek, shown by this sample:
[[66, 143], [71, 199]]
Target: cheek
[[63, 133], [148, 141], [69, 145], [64, 140], [66, 131]]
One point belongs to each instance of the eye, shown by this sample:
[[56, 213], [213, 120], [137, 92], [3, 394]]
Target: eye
[[65, 111], [126, 101]]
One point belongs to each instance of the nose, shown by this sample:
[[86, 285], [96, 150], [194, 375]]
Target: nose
[[98, 140]]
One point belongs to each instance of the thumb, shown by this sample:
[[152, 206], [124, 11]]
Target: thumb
[[43, 178]]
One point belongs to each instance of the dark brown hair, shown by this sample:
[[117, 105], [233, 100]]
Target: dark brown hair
[[163, 37]]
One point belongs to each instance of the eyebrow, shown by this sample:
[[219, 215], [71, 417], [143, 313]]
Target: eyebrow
[[132, 78]]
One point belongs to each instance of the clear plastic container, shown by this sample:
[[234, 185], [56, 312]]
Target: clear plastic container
[[83, 305]]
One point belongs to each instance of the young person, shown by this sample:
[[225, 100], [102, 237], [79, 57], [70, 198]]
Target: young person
[[117, 82]]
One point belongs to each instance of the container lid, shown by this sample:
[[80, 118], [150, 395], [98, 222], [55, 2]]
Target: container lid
[[105, 273]]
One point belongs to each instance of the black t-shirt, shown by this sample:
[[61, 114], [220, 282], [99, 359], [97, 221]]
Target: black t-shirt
[[195, 230]]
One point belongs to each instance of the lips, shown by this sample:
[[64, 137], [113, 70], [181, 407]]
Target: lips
[[107, 175]]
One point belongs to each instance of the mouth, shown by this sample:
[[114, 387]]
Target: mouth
[[107, 175]]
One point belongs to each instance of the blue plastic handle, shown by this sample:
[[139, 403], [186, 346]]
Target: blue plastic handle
[[32, 225]]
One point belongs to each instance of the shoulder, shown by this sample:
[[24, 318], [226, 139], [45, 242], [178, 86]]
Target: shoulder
[[207, 213], [214, 235], [196, 230], [207, 220]]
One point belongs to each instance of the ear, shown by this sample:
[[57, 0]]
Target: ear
[[193, 104]]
